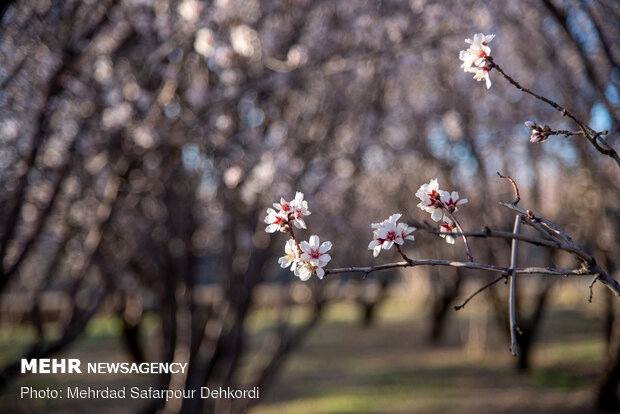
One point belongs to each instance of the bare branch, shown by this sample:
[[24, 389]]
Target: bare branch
[[460, 229], [488, 285], [514, 187], [593, 136], [487, 232], [589, 261], [451, 263], [529, 217]]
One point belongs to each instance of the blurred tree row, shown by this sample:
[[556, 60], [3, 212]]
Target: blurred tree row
[[142, 140]]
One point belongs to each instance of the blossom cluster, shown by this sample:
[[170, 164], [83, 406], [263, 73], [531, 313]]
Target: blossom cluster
[[441, 205], [288, 212], [305, 258], [539, 132], [475, 57], [388, 232]]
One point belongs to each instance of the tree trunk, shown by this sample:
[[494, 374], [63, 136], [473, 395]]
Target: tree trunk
[[445, 293]]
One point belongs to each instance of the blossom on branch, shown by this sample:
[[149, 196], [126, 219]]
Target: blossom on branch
[[451, 200], [291, 257], [314, 256], [539, 132], [284, 206], [300, 210], [276, 221], [475, 57], [437, 201], [388, 232], [430, 194], [294, 210], [482, 74], [448, 226], [288, 211]]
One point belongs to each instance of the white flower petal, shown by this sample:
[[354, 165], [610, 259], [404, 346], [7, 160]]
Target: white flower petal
[[394, 218], [376, 250], [305, 247], [314, 241], [437, 214], [320, 272], [325, 247], [305, 273]]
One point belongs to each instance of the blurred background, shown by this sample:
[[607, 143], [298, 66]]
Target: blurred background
[[141, 142]]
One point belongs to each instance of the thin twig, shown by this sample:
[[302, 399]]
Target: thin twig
[[530, 216], [488, 285], [513, 284], [487, 232], [407, 259], [593, 136], [514, 187], [547, 234], [517, 85], [460, 229], [570, 133]]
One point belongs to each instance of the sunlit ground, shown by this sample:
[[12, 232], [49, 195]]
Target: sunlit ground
[[389, 367], [344, 368]]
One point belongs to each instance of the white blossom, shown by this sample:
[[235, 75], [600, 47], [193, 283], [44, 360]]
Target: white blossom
[[474, 58], [294, 210], [287, 211], [430, 194], [275, 221], [388, 232], [300, 210], [448, 227], [315, 257], [451, 200], [437, 201], [481, 74], [304, 271], [291, 257]]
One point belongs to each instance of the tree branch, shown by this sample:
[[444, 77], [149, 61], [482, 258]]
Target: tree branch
[[488, 285], [593, 136], [457, 264]]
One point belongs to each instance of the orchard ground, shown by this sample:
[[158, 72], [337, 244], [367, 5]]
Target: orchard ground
[[343, 367]]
